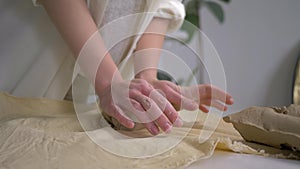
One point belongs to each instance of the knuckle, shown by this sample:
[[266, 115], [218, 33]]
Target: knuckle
[[146, 88], [207, 88], [111, 105], [134, 92], [145, 84], [147, 102], [136, 105], [139, 80]]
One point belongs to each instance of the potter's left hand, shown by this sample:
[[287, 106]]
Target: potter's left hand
[[202, 96]]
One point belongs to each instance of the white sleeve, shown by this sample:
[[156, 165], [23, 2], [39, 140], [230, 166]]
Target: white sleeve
[[173, 10]]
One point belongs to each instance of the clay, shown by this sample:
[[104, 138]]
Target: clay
[[278, 127]]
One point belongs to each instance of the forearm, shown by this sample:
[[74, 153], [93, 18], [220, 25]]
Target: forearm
[[73, 21], [149, 49], [76, 25]]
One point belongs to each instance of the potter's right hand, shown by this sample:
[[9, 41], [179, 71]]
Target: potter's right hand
[[124, 99]]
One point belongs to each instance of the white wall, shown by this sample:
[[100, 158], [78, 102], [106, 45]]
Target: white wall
[[259, 44]]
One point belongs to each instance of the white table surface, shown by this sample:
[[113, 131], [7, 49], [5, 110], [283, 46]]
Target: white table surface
[[229, 160]]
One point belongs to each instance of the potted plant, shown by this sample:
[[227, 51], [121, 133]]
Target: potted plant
[[193, 7]]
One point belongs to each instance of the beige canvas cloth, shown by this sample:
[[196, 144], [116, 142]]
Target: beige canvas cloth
[[42, 133]]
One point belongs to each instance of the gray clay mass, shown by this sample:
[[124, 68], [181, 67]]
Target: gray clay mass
[[274, 126]]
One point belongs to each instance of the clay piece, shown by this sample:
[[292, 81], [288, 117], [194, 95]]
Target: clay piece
[[278, 127]]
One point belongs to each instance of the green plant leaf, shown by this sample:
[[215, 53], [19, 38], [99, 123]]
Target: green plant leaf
[[194, 19], [163, 76], [226, 1], [192, 7], [216, 10], [192, 16]]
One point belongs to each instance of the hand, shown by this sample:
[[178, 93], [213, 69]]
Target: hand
[[200, 95], [212, 96], [138, 98], [174, 95]]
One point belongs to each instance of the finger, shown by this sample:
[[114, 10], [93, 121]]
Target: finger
[[172, 115], [214, 103], [191, 92], [141, 85], [230, 100], [154, 112], [152, 128], [178, 122], [173, 94], [142, 115], [147, 103], [164, 105], [178, 99], [164, 123], [119, 115], [212, 92], [203, 108], [137, 110]]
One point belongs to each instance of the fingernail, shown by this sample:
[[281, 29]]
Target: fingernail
[[231, 100], [168, 127], [131, 125], [154, 130], [178, 122]]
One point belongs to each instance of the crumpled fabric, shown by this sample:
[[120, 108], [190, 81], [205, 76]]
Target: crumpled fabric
[[43, 133]]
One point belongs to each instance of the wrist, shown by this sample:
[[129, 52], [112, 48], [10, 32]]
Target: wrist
[[149, 75], [103, 81]]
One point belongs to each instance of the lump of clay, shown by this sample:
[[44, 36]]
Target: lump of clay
[[274, 126]]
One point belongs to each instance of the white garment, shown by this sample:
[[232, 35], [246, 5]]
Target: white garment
[[49, 71]]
